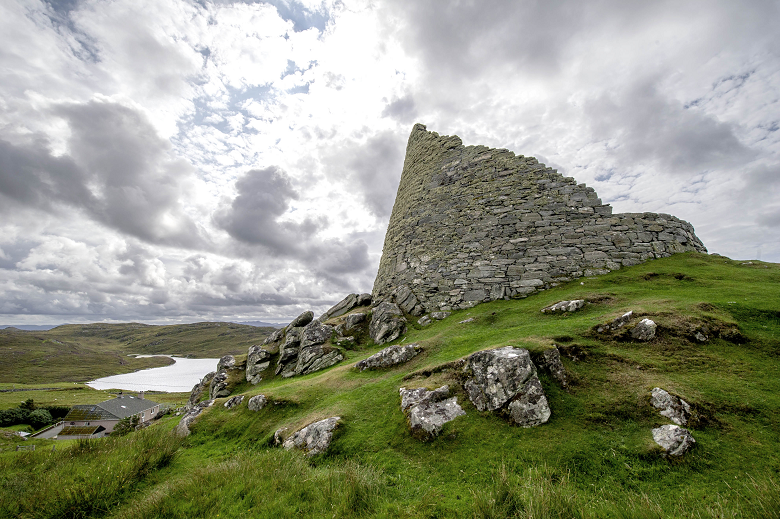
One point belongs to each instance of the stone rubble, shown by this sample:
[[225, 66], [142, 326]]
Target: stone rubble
[[390, 356], [427, 411], [313, 439], [671, 406]]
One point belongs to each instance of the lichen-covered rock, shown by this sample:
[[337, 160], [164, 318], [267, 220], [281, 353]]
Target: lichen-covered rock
[[364, 299], [424, 320], [407, 301], [617, 323], [315, 358], [671, 406], [226, 362], [302, 320], [564, 306], [505, 379], [218, 387], [353, 320], [387, 323], [390, 356], [440, 315], [315, 333], [274, 337], [183, 427], [346, 342], [427, 411], [315, 438], [233, 401], [673, 439], [257, 402], [644, 330], [342, 307], [550, 361], [198, 389], [258, 360]]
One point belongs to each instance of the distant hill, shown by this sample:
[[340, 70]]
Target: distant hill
[[261, 324], [29, 327]]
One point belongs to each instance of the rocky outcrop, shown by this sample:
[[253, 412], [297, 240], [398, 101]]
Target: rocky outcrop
[[427, 411], [390, 356], [644, 330], [198, 389], [219, 386], [387, 323], [302, 349], [302, 320], [258, 360], [564, 306], [257, 402], [346, 304], [315, 358], [233, 401], [673, 439], [671, 406], [315, 333], [505, 380], [407, 301], [550, 361], [226, 362], [352, 320], [313, 439], [183, 427]]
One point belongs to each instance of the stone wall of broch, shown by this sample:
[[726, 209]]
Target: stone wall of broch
[[473, 224]]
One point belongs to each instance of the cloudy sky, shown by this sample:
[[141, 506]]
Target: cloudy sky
[[178, 160]]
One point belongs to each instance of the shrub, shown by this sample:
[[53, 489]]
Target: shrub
[[39, 418]]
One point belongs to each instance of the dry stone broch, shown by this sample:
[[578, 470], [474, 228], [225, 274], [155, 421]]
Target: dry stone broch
[[473, 224]]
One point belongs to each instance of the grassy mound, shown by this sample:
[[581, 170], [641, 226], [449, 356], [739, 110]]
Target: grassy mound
[[594, 458]]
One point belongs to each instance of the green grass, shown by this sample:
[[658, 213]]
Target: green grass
[[80, 353], [594, 458]]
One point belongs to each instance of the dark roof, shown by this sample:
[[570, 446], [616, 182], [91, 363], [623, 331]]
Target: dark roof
[[80, 430], [126, 405], [114, 409]]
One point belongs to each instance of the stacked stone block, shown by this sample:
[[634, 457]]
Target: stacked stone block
[[473, 224]]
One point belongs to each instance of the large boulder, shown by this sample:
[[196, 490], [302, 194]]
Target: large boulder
[[505, 379], [342, 307], [183, 427], [390, 356], [313, 439], [274, 337], [387, 323], [226, 362], [644, 330], [673, 439], [315, 333], [233, 401], [219, 386], [198, 389], [257, 402], [258, 360], [315, 358], [302, 320], [671, 406], [353, 320], [427, 411]]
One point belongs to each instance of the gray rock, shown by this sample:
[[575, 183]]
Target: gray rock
[[387, 323], [427, 411], [258, 360], [346, 342], [617, 323], [183, 427], [505, 379], [218, 387], [234, 401], [564, 306], [293, 338], [353, 320], [644, 330], [671, 406], [407, 301], [673, 439], [340, 308], [257, 402], [226, 362], [550, 361], [313, 439], [315, 333], [440, 315], [279, 435], [389, 356], [315, 358], [364, 300], [424, 320], [469, 320], [198, 389], [302, 320], [274, 337]]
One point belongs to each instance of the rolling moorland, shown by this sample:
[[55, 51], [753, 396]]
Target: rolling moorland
[[595, 457]]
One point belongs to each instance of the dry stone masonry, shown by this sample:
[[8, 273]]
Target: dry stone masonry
[[473, 224]]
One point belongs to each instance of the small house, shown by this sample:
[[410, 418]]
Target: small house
[[98, 420]]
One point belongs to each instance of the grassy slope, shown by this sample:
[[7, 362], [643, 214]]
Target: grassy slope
[[594, 458], [79, 353]]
